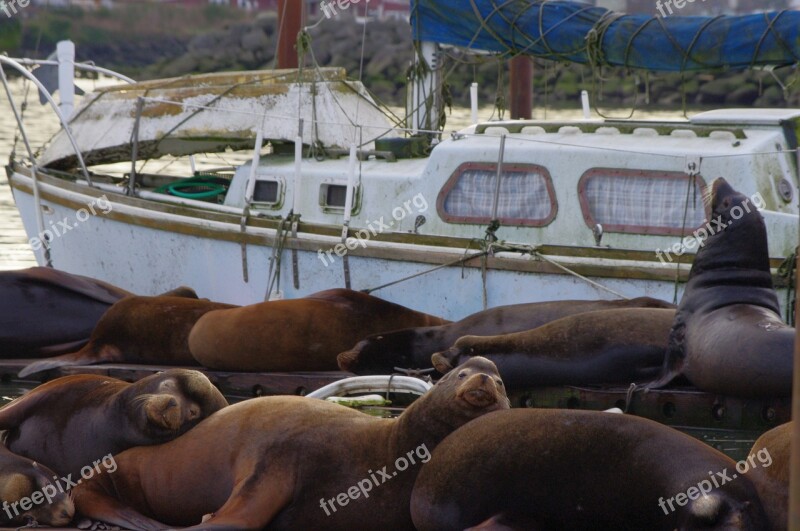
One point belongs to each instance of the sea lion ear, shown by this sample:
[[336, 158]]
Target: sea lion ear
[[441, 363]]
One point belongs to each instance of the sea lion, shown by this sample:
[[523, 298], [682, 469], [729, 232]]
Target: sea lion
[[579, 470], [28, 494], [70, 422], [296, 335], [146, 330], [46, 312], [772, 480], [412, 348], [291, 463], [607, 346], [728, 336]]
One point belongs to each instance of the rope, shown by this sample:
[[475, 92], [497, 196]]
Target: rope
[[274, 275], [597, 285], [461, 260], [787, 270]]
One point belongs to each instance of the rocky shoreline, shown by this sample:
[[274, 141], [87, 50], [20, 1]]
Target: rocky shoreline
[[387, 49]]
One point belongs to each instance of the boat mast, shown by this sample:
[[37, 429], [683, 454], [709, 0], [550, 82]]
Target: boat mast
[[290, 21], [424, 99], [521, 82]]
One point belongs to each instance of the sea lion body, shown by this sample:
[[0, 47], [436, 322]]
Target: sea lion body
[[578, 470], [145, 330], [413, 347], [296, 335], [728, 336], [271, 463], [46, 312], [607, 346], [31, 484], [70, 422], [772, 481]]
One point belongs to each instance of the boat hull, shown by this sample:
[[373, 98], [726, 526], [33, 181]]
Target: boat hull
[[148, 248]]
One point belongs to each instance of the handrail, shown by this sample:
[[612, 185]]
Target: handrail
[[89, 67], [49, 98]]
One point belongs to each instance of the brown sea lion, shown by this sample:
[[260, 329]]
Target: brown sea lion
[[772, 480], [412, 348], [147, 330], [728, 336], [529, 469], [31, 493], [70, 422], [46, 312], [607, 346], [291, 463], [296, 335]]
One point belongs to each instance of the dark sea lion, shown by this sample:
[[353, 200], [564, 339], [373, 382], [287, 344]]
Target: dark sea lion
[[728, 336], [70, 422], [772, 481], [45, 312], [607, 346], [412, 348], [30, 495], [291, 463], [296, 335], [579, 470], [146, 330]]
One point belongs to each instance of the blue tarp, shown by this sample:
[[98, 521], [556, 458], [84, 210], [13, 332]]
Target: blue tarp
[[581, 33]]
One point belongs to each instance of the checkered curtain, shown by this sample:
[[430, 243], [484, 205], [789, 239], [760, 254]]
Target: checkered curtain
[[523, 195]]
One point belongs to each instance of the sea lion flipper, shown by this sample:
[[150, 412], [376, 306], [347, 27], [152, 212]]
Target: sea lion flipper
[[85, 356], [441, 363], [674, 356], [100, 506]]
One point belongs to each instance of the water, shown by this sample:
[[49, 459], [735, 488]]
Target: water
[[41, 124]]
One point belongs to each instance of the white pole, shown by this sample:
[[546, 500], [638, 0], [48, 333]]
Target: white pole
[[587, 110], [473, 98], [65, 51], [251, 182]]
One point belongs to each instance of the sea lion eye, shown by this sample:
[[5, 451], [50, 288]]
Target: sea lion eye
[[462, 375]]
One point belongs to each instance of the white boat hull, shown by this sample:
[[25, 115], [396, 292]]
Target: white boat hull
[[146, 259]]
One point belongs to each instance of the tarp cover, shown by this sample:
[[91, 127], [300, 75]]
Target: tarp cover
[[581, 33]]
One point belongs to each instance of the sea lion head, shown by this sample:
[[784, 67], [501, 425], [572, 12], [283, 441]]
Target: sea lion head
[[32, 498], [445, 360], [719, 511], [473, 388], [167, 404], [379, 354], [736, 233]]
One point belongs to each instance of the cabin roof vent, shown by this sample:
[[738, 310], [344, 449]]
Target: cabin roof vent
[[533, 130], [683, 133], [645, 131], [607, 131], [569, 130], [726, 136], [496, 131]]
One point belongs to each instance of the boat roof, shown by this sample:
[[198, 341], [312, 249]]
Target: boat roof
[[745, 116]]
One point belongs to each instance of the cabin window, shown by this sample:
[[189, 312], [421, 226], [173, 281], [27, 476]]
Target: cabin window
[[332, 196], [641, 202], [265, 192], [526, 195]]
